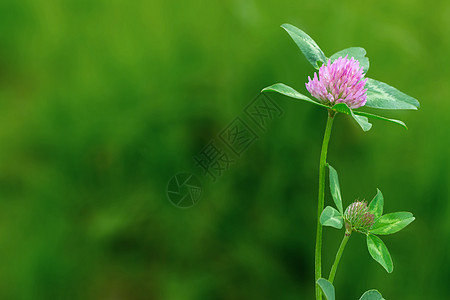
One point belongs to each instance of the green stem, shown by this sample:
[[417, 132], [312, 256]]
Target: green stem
[[323, 163], [338, 256]]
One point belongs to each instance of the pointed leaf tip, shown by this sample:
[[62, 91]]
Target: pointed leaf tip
[[307, 45], [290, 92], [392, 223], [365, 114], [335, 189], [376, 205], [379, 252], [382, 95]]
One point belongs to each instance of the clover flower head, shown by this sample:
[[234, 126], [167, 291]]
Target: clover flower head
[[340, 81], [358, 217]]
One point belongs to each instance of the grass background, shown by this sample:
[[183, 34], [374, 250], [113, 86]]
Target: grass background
[[101, 102]]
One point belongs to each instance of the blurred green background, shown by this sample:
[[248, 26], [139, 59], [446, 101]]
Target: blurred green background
[[102, 102]]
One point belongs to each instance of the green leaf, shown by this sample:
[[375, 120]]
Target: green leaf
[[376, 205], [361, 113], [290, 92], [361, 120], [327, 288], [357, 53], [331, 217], [372, 295], [379, 252], [310, 49], [382, 95], [392, 223], [335, 189]]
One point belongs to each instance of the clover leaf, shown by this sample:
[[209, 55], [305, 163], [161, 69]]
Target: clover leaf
[[378, 95], [366, 219]]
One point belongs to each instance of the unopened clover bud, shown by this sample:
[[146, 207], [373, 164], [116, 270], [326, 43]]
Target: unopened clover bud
[[358, 218]]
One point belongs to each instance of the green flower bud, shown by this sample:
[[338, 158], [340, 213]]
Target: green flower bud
[[358, 218]]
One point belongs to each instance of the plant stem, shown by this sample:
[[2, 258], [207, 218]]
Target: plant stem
[[338, 257], [322, 165]]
